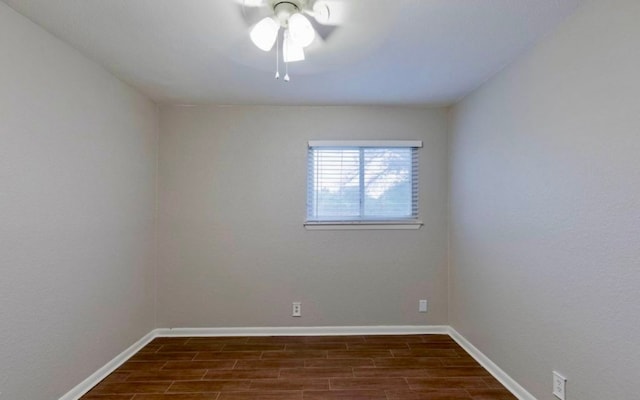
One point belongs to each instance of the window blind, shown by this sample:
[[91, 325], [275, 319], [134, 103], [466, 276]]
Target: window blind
[[362, 181]]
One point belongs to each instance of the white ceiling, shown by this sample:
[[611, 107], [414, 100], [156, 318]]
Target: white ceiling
[[418, 52]]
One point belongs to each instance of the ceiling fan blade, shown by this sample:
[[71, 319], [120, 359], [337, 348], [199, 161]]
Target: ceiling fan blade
[[329, 12], [251, 15], [252, 3]]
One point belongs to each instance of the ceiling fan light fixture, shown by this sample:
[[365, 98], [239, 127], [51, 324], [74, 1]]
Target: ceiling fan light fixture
[[291, 51], [264, 34], [301, 31]]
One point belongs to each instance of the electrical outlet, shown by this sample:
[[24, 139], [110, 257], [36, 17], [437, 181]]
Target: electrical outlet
[[559, 383], [422, 306], [296, 310]]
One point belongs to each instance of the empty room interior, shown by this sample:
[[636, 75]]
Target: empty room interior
[[319, 199]]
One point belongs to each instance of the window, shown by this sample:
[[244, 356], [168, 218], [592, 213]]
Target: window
[[363, 183]]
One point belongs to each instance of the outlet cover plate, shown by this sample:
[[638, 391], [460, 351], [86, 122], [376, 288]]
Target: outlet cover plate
[[559, 385], [422, 306], [296, 309]]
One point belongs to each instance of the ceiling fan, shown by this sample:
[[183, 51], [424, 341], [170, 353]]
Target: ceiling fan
[[300, 21]]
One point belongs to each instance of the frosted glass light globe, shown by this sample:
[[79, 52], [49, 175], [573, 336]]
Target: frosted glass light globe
[[264, 34], [301, 31]]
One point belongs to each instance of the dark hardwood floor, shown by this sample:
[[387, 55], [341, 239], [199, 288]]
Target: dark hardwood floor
[[407, 367]]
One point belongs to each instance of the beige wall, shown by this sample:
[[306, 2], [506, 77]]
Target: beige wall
[[546, 209], [77, 173], [233, 250]]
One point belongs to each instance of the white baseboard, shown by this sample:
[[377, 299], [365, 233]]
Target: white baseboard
[[108, 368], [497, 372], [508, 382], [307, 331]]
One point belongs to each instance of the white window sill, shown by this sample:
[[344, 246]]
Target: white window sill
[[358, 225]]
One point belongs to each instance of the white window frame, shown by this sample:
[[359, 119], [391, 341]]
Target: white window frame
[[386, 224]]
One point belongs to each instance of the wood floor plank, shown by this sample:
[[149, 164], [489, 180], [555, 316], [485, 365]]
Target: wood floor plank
[[318, 346], [341, 362], [290, 395], [290, 384], [163, 356], [210, 364], [128, 387], [344, 395], [408, 362], [174, 348], [393, 338], [141, 365], [368, 384], [299, 354], [117, 377], [335, 339], [269, 364], [150, 348], [380, 353], [228, 355], [181, 396], [316, 372], [164, 375], [253, 347], [390, 372], [459, 362], [425, 353], [242, 374], [379, 346], [209, 386], [445, 394]]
